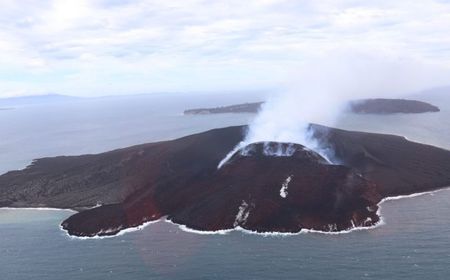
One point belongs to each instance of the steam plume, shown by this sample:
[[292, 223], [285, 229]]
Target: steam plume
[[322, 89]]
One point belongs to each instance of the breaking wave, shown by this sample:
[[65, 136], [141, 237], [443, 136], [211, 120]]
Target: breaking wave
[[38, 209]]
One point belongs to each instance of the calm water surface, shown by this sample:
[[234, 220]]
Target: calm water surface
[[414, 243]]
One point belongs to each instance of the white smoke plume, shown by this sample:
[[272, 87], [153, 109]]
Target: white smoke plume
[[322, 88]]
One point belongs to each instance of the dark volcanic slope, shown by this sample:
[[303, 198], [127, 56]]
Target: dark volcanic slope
[[391, 106], [87, 180], [296, 192], [396, 165], [254, 190]]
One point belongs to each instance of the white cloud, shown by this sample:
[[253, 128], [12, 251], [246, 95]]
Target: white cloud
[[109, 46]]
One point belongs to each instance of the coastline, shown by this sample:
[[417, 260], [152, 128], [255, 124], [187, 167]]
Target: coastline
[[389, 198], [39, 209], [121, 232], [186, 229]]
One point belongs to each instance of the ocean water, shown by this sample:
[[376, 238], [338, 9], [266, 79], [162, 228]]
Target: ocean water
[[413, 242]]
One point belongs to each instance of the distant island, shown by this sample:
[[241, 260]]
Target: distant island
[[391, 106], [255, 190], [34, 99], [364, 106], [238, 108]]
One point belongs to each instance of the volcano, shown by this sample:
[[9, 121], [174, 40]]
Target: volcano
[[263, 187]]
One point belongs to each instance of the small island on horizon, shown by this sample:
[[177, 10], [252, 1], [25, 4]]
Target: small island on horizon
[[252, 107], [364, 106]]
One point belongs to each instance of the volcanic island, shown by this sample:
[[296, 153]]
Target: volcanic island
[[256, 190]]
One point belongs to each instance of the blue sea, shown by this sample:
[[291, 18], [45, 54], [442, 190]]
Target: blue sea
[[412, 243]]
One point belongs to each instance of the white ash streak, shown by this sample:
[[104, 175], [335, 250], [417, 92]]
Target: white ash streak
[[284, 187], [242, 215]]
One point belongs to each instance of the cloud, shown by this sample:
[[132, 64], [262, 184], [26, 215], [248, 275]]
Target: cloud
[[103, 47]]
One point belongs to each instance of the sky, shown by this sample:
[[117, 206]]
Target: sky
[[111, 47]]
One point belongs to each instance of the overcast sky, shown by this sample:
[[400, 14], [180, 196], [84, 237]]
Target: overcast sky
[[104, 47]]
